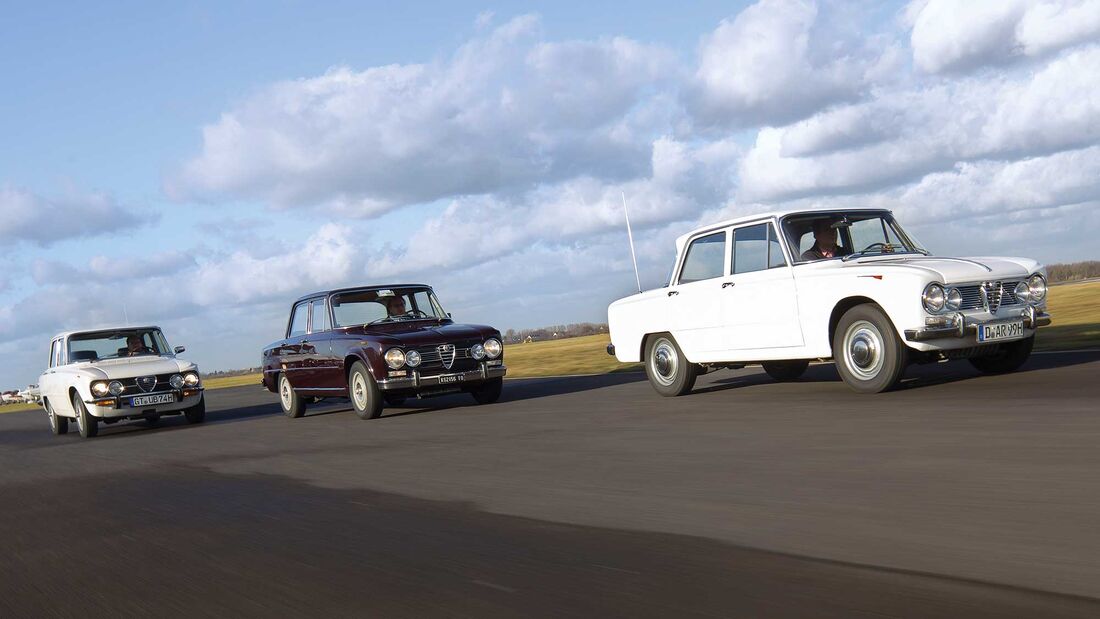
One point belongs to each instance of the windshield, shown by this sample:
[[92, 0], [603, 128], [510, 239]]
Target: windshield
[[116, 344], [377, 305], [827, 235]]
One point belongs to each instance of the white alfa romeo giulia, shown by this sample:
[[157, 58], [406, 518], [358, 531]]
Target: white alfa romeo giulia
[[108, 375], [783, 289]]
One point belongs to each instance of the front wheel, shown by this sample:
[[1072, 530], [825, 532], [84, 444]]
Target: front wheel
[[1008, 359], [294, 405], [786, 370], [85, 422], [869, 355], [489, 391], [58, 424], [366, 397], [197, 413], [670, 373]]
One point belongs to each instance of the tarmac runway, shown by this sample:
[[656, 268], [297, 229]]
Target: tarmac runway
[[959, 495]]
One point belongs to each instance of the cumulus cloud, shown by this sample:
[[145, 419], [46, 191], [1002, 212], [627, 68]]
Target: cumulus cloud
[[958, 36], [27, 216], [504, 111]]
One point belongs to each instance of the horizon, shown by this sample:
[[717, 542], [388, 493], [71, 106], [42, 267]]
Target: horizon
[[200, 167]]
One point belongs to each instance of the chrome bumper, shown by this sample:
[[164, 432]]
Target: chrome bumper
[[416, 381], [959, 326]]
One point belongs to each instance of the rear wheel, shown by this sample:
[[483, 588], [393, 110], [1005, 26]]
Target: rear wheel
[[670, 373], [293, 404], [366, 397], [85, 422], [58, 424], [197, 413], [868, 352], [489, 391], [1008, 358], [786, 370]]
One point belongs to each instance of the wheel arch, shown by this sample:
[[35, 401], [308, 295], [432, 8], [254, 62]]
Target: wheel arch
[[843, 306]]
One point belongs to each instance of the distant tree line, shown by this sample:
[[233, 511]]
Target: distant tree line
[[1074, 271], [555, 332]]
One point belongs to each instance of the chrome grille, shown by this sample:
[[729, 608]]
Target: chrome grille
[[972, 297], [130, 385], [432, 363]]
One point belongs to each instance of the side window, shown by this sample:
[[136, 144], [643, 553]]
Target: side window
[[53, 354], [299, 319], [775, 250], [750, 249], [705, 257], [319, 322]]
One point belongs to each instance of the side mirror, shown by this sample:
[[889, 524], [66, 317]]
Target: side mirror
[[181, 349], [448, 314]]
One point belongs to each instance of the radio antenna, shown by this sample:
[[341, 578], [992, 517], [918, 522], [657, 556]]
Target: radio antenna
[[630, 235]]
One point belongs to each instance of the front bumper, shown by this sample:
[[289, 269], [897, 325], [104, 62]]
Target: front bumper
[[120, 406], [416, 382], [961, 326]]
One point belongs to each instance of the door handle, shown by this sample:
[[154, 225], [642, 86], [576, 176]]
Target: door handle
[[672, 293], [728, 284]]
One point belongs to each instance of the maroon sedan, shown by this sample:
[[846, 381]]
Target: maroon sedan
[[380, 345]]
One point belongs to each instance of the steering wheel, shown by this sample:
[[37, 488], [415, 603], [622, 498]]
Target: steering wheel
[[142, 351], [416, 313], [886, 247]]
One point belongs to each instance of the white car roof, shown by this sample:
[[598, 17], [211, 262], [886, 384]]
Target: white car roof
[[682, 239], [66, 334]]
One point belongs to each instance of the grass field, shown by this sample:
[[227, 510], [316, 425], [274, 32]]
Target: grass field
[[1075, 307]]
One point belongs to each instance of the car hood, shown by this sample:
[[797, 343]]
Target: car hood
[[949, 270], [135, 366], [423, 333]]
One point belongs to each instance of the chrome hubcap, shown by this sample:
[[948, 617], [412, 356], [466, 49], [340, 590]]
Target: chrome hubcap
[[665, 362], [863, 350], [284, 392], [359, 391]]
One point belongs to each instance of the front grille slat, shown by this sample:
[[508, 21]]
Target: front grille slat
[[972, 298]]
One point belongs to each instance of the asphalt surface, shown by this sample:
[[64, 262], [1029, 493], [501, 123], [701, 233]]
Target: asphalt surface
[[958, 495]]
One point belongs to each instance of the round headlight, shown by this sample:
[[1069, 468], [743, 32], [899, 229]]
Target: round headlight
[[176, 381], [191, 379], [412, 358], [1038, 286], [954, 299], [99, 388], [477, 351], [933, 298], [115, 387], [395, 358], [493, 348], [1022, 292]]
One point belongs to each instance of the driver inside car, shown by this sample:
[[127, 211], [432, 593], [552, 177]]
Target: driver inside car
[[134, 346], [824, 242], [396, 307]]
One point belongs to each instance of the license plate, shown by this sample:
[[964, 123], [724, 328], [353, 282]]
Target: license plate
[[147, 400], [1001, 331], [450, 378]]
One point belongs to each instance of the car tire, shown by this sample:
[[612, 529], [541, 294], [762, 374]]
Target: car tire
[[197, 413], [786, 370], [366, 397], [58, 425], [1008, 359], [294, 405], [85, 421], [668, 370], [489, 391], [395, 401], [869, 355]]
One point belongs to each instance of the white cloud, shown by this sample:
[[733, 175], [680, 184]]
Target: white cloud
[[949, 35], [505, 111], [27, 216]]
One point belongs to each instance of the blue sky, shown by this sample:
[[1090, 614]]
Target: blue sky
[[198, 165]]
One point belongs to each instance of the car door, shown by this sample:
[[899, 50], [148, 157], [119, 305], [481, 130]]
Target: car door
[[760, 307], [695, 300], [325, 373], [292, 360]]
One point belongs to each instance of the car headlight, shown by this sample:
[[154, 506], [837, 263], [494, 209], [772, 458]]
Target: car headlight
[[493, 347], [115, 388], [1022, 292], [100, 388], [191, 379], [395, 358], [954, 299], [934, 298], [176, 381], [1037, 284], [477, 351], [412, 359]]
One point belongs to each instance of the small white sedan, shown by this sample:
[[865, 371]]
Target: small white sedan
[[783, 289], [108, 375]]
